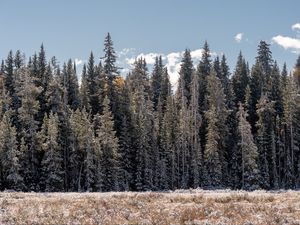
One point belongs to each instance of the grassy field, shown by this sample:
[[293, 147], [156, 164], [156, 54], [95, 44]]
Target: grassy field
[[179, 207]]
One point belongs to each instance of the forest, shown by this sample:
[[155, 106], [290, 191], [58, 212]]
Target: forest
[[134, 132]]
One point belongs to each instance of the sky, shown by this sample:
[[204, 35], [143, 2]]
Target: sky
[[72, 29]]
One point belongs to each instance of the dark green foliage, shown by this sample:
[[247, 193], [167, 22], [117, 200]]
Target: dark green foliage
[[240, 79], [52, 162], [10, 165], [249, 153], [105, 132], [109, 147], [185, 77], [156, 80]]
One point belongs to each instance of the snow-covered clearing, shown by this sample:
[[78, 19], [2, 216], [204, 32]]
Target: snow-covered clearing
[[179, 207]]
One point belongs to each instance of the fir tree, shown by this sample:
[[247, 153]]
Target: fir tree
[[214, 154], [249, 153], [156, 81], [11, 177], [240, 79], [185, 77], [52, 162], [265, 134], [27, 113], [110, 149], [92, 83]]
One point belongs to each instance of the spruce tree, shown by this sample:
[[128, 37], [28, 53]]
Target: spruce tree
[[240, 79], [196, 152], [265, 133], [185, 77], [84, 92], [11, 177], [249, 153], [296, 72], [203, 71], [28, 111], [108, 142], [214, 154], [291, 132], [156, 80], [52, 163], [93, 88]]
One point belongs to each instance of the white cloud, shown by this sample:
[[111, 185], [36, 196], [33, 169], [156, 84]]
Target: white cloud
[[197, 54], [296, 26], [238, 38], [125, 51], [173, 66], [149, 57], [287, 42], [79, 62]]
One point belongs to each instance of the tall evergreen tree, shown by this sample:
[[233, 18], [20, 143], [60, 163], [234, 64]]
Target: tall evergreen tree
[[265, 135], [296, 72], [240, 79], [110, 149], [52, 162], [93, 86], [214, 154], [156, 81], [11, 177], [249, 153], [185, 77], [28, 111]]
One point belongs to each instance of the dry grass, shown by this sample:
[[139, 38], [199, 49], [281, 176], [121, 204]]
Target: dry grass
[[180, 207]]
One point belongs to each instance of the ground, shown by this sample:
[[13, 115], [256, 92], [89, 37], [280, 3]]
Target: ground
[[179, 207]]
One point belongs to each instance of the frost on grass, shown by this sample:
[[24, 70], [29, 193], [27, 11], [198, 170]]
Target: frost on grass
[[178, 207]]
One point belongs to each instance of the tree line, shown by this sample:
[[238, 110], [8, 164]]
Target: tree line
[[110, 133]]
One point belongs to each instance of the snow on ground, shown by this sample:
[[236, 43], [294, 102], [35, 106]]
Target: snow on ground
[[179, 207]]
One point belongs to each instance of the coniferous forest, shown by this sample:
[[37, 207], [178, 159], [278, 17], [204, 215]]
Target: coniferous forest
[[108, 132]]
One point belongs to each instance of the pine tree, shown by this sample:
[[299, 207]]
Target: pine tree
[[224, 77], [240, 79], [214, 154], [249, 153], [83, 154], [185, 77], [291, 109], [264, 57], [156, 81], [27, 113], [183, 143], [143, 119], [70, 83], [213, 167], [9, 80], [10, 156], [84, 92], [52, 162], [111, 71], [265, 135], [203, 71], [110, 149], [93, 88], [169, 143], [284, 75], [139, 77], [196, 152], [109, 59], [166, 89], [296, 72], [275, 90]]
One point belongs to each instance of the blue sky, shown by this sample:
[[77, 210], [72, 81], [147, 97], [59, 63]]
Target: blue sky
[[71, 29]]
